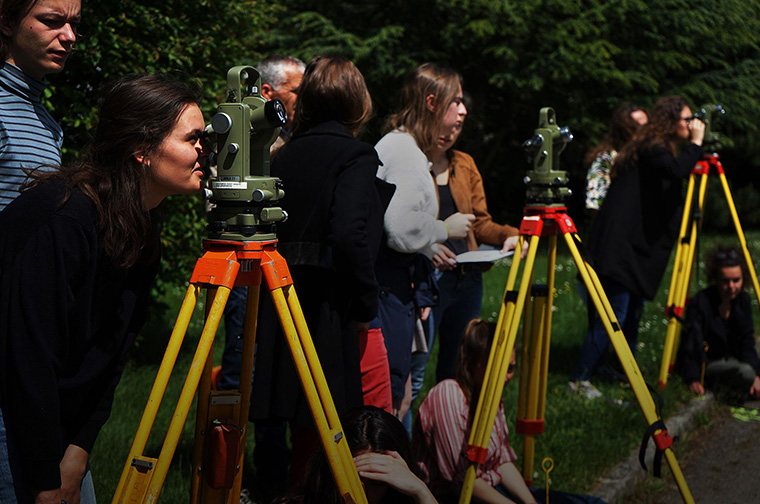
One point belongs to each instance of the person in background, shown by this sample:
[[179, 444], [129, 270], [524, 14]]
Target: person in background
[[625, 122], [280, 78], [330, 242], [460, 289], [632, 236], [36, 39], [718, 347], [443, 426], [383, 458], [79, 253], [431, 106]]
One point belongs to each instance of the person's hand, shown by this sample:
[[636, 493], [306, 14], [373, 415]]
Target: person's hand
[[444, 259], [425, 313], [697, 128], [755, 388], [459, 224], [697, 388], [48, 497], [73, 469], [390, 468], [510, 243]]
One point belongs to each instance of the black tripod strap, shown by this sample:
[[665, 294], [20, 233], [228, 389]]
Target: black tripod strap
[[659, 424], [662, 441]]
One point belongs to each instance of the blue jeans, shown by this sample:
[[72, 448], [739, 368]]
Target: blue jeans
[[460, 296], [628, 308], [10, 486]]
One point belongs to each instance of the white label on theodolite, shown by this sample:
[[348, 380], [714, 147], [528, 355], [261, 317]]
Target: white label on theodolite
[[229, 185]]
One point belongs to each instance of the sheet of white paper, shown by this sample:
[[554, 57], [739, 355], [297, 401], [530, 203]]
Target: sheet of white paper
[[477, 256]]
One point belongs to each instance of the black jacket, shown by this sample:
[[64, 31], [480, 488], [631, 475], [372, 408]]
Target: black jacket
[[67, 318], [734, 337], [330, 241], [637, 226]]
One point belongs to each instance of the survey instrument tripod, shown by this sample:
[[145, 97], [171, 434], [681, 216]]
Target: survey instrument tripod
[[222, 415], [241, 251], [688, 242], [545, 216]]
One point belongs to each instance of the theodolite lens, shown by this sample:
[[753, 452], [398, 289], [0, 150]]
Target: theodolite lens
[[276, 113], [566, 134]]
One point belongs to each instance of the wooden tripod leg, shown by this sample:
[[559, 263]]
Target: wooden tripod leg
[[628, 362], [154, 401], [313, 381], [498, 360]]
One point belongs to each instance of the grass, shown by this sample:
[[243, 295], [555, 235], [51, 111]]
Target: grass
[[584, 438]]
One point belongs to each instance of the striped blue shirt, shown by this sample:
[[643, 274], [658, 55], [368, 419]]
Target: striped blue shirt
[[29, 136]]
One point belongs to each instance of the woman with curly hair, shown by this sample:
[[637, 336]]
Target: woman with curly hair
[[632, 237]]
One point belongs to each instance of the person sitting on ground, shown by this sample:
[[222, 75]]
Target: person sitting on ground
[[383, 457], [443, 427], [719, 343]]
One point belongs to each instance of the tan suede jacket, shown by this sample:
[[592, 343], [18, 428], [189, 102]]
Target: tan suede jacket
[[466, 186]]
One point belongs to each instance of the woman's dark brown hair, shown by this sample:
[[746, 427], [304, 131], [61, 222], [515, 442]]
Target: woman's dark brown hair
[[472, 360], [332, 89], [367, 429], [11, 14], [136, 114], [414, 116], [621, 130], [660, 131]]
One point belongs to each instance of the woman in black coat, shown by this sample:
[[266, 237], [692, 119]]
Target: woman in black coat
[[633, 235], [330, 242]]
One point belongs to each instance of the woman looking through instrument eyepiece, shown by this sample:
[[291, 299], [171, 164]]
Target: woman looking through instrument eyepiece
[[79, 253], [634, 232]]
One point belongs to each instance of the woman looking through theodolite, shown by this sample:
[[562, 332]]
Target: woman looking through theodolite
[[633, 234], [78, 255]]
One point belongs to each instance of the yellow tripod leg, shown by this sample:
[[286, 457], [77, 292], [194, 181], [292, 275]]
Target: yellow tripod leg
[[682, 272], [532, 364], [740, 234], [638, 385], [139, 484], [498, 362], [186, 396], [532, 422], [318, 395]]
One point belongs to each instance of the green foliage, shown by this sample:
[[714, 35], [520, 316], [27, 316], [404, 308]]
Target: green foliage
[[583, 58], [202, 40]]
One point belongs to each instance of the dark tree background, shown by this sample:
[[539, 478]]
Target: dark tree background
[[583, 58]]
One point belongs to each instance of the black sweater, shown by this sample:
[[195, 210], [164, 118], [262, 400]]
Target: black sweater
[[732, 337], [637, 226], [67, 318]]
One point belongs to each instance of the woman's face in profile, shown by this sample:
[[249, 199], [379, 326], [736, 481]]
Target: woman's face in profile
[[683, 130], [451, 125], [177, 167]]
